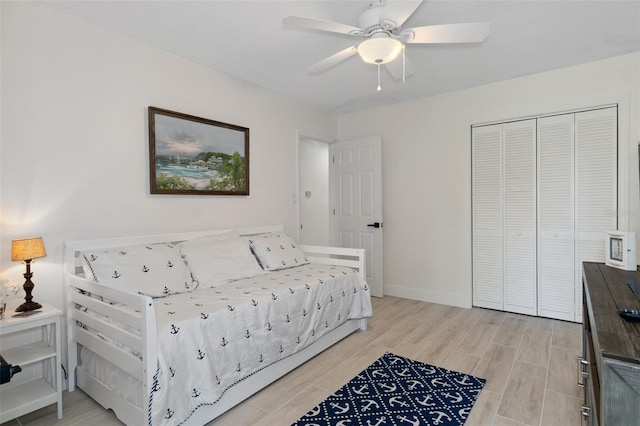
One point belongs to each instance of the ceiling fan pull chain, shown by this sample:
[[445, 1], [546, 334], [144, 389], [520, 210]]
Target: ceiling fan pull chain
[[379, 87]]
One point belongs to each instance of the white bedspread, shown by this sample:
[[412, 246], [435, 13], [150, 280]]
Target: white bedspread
[[210, 339]]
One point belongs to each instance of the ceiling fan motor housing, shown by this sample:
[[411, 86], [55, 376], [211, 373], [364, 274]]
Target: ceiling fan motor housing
[[369, 21]]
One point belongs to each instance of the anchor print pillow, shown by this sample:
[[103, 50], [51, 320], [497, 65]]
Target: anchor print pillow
[[277, 251], [219, 259], [155, 270]]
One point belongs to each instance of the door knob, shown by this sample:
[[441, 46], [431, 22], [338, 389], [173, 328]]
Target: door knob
[[375, 225]]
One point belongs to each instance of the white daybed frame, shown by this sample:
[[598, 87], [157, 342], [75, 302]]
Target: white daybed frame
[[146, 344]]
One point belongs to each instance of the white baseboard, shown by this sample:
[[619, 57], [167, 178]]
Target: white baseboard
[[451, 299]]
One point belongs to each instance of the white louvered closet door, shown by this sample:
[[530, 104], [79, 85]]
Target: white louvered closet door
[[556, 217], [596, 188], [486, 160], [520, 217]]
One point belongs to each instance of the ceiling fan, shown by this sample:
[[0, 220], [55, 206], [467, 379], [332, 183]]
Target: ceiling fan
[[384, 39]]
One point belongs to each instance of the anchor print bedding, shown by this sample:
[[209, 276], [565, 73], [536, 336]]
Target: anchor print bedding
[[212, 338]]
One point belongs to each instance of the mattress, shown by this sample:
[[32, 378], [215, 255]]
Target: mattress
[[212, 338]]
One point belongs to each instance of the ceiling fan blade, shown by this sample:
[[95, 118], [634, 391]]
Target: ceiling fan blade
[[333, 60], [297, 22], [396, 12], [395, 68], [448, 33]]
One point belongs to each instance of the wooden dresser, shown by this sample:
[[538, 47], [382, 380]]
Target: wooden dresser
[[609, 369]]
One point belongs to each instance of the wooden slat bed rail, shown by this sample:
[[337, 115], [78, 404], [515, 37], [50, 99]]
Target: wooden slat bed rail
[[352, 258]]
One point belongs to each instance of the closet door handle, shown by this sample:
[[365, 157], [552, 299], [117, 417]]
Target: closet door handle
[[375, 225], [582, 374]]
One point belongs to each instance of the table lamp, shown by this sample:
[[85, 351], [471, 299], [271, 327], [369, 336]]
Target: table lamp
[[26, 250]]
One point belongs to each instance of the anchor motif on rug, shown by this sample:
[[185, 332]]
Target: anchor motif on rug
[[396, 401], [425, 401], [379, 421], [454, 398], [438, 381], [379, 373], [464, 412], [368, 404], [438, 420], [414, 422], [388, 387], [363, 390], [414, 384], [464, 381], [341, 409], [404, 373]]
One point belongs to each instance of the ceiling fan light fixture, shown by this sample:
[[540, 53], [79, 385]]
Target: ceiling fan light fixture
[[379, 50]]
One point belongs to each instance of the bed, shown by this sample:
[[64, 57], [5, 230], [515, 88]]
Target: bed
[[177, 355]]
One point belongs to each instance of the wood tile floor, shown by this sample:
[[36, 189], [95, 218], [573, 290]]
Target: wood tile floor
[[529, 364]]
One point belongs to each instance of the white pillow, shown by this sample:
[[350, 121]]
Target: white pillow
[[155, 270], [214, 260], [277, 251]]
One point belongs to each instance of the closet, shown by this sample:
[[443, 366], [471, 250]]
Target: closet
[[544, 193]]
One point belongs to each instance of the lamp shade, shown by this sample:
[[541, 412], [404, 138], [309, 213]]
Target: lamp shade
[[27, 249], [380, 50]]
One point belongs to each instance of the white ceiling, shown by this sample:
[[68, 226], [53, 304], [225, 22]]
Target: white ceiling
[[246, 39]]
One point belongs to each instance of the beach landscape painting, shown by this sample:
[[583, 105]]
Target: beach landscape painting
[[194, 155]]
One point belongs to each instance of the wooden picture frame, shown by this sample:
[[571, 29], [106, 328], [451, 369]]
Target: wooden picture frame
[[196, 156]]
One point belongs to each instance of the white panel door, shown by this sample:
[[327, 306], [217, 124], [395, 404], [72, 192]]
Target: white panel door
[[487, 202], [520, 217], [556, 217], [596, 142], [356, 176]]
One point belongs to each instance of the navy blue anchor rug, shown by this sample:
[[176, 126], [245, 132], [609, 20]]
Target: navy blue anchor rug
[[399, 391]]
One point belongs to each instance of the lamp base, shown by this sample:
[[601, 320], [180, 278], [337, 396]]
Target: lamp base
[[28, 306]]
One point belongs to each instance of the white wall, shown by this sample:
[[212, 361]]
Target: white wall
[[74, 140], [313, 163], [426, 166]]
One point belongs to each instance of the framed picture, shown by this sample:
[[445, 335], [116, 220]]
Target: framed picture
[[198, 156]]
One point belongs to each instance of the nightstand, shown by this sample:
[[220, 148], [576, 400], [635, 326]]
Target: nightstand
[[18, 397]]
